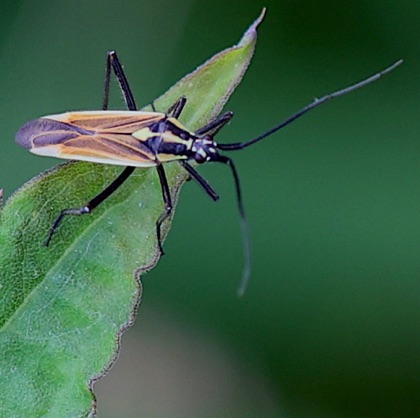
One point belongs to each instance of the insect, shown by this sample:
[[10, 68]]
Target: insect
[[134, 138]]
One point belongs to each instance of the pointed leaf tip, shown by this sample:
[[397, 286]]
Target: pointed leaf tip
[[251, 33]]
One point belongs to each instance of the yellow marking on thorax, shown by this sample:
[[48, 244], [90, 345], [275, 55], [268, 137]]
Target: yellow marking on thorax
[[144, 134]]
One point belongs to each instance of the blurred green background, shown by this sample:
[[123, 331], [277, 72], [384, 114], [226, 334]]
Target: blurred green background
[[329, 326]]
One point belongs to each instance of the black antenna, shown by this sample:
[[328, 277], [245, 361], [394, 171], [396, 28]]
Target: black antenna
[[313, 105]]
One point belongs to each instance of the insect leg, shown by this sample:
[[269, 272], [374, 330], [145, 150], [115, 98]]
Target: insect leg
[[92, 204], [244, 226], [175, 110], [215, 125], [200, 180], [114, 63], [166, 194]]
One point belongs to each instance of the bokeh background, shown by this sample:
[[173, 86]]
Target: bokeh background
[[329, 326]]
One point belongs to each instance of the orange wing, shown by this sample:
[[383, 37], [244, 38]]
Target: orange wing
[[109, 121], [102, 137]]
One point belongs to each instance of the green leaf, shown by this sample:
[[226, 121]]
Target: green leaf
[[63, 308]]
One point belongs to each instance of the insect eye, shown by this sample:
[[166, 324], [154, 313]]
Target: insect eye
[[200, 157]]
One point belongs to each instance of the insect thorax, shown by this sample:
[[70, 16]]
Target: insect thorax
[[169, 140]]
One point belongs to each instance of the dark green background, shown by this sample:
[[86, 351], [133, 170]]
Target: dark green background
[[329, 326]]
